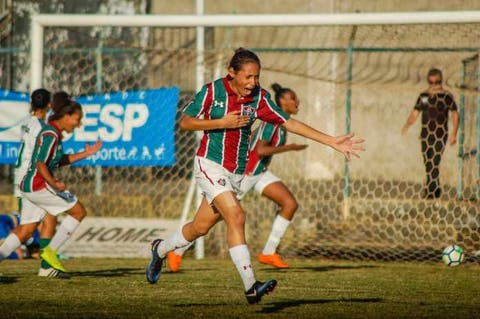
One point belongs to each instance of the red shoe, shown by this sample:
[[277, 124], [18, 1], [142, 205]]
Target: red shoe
[[174, 261], [273, 260]]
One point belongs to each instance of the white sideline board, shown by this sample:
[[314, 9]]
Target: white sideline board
[[117, 237]]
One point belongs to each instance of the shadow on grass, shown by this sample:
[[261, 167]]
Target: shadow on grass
[[320, 268], [281, 305], [7, 280], [116, 272]]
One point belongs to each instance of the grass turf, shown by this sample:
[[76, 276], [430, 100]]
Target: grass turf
[[312, 288]]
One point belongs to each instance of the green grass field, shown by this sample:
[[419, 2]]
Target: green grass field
[[312, 288]]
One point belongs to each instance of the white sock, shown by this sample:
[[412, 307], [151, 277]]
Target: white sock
[[279, 228], [174, 242], [64, 231], [241, 258], [180, 251], [9, 245]]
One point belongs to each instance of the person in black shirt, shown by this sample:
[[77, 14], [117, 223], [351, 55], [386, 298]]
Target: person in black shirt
[[434, 104]]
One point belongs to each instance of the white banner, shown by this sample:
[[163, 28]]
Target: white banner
[[117, 237]]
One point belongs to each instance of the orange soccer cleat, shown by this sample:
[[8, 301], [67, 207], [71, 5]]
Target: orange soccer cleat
[[273, 260], [174, 261]]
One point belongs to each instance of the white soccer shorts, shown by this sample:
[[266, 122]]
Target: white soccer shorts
[[259, 181], [213, 179], [37, 204]]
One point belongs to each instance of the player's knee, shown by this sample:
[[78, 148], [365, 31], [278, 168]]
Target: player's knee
[[24, 232], [290, 205], [236, 218], [78, 212]]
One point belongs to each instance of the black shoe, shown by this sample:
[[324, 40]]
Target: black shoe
[[255, 294], [154, 268]]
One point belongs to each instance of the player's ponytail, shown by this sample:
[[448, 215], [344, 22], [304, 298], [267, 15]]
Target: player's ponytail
[[40, 99], [280, 91], [243, 56], [60, 98], [68, 108]]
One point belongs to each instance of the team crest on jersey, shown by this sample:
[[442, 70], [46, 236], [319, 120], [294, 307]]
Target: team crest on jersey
[[424, 99], [248, 110], [222, 181], [218, 103]]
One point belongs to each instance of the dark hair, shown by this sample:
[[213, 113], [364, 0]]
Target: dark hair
[[433, 72], [243, 56], [280, 92], [39, 99], [60, 98], [68, 108]]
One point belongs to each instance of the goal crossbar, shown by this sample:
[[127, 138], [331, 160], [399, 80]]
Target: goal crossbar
[[39, 22]]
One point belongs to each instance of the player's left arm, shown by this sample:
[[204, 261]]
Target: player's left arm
[[344, 144], [452, 106], [89, 150], [455, 123]]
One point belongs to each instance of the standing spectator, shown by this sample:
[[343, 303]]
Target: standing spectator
[[434, 104]]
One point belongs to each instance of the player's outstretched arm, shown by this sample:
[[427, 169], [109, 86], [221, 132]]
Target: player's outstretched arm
[[89, 150], [455, 123], [231, 120], [344, 144]]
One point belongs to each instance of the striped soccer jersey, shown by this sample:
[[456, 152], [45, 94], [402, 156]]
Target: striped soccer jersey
[[29, 132], [229, 147], [274, 135], [48, 150]]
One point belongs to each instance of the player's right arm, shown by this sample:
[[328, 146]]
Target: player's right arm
[[231, 120], [193, 118], [414, 114], [47, 142]]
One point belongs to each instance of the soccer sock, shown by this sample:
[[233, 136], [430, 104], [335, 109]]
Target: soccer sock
[[241, 258], [279, 228], [11, 243], [44, 243], [64, 232], [174, 242], [180, 251]]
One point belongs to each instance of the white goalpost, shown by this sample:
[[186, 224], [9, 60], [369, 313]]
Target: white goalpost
[[200, 21]]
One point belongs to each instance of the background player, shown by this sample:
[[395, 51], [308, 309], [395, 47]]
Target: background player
[[41, 192], [434, 104], [225, 110]]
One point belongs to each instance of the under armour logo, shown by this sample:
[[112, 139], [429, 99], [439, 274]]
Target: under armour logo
[[218, 103], [247, 266], [424, 99]]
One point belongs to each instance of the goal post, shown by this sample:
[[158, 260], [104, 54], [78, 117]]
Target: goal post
[[359, 72]]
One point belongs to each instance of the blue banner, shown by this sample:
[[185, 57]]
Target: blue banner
[[136, 127]]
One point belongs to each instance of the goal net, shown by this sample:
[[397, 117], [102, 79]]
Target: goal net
[[365, 79]]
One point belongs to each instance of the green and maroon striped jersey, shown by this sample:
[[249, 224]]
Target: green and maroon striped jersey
[[48, 150], [229, 147], [274, 135]]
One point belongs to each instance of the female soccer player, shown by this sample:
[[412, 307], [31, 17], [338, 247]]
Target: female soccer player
[[40, 103], [268, 139], [42, 192], [225, 111]]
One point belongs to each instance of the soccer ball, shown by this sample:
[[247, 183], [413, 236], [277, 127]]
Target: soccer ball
[[452, 255]]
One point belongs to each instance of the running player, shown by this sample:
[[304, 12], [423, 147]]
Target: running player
[[40, 102], [41, 192], [268, 139], [225, 110]]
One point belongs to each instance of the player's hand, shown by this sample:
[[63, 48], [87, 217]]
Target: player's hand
[[59, 186], [235, 120], [348, 146], [92, 149], [452, 139], [404, 130], [297, 147]]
